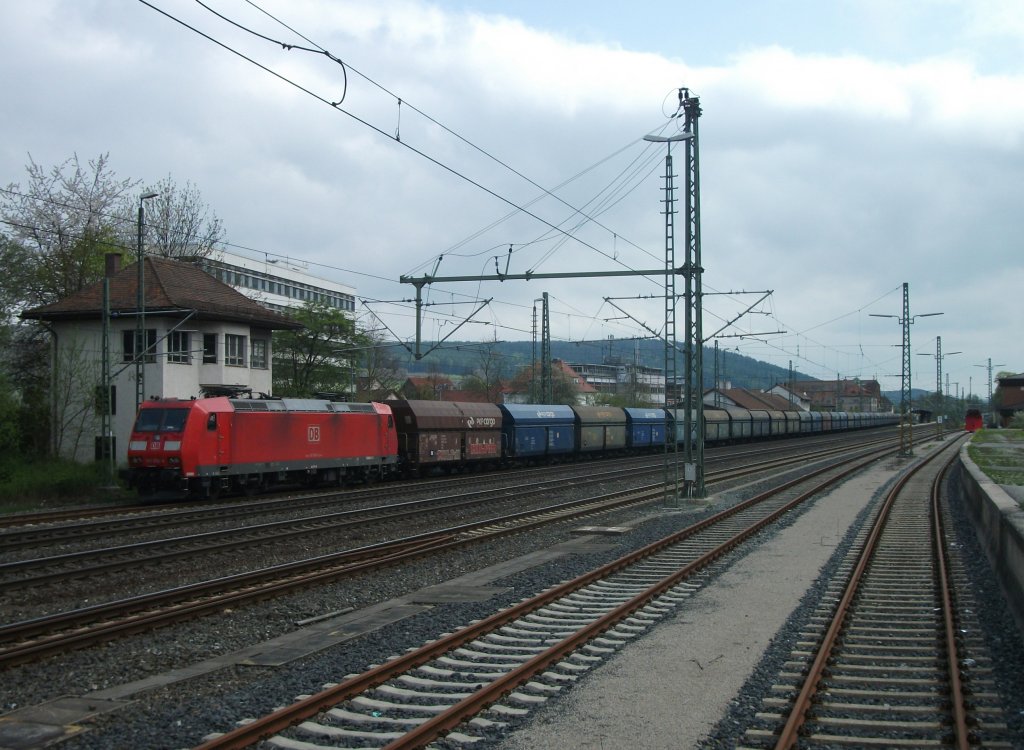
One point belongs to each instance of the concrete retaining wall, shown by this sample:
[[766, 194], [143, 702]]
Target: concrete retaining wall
[[999, 521]]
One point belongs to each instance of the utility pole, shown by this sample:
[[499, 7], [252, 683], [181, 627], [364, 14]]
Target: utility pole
[[694, 455], [906, 411], [939, 356], [907, 391], [106, 417], [991, 412], [691, 269], [533, 357], [545, 352], [718, 383]]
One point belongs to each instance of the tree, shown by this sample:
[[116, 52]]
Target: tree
[[25, 364], [563, 390], [381, 369], [9, 423], [487, 379], [313, 359], [178, 223], [65, 219], [16, 264]]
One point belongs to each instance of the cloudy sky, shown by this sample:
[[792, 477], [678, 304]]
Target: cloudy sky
[[846, 147]]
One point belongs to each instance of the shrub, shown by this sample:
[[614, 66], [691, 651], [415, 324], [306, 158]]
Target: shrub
[[33, 485]]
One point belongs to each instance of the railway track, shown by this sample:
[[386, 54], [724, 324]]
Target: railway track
[[891, 658], [39, 637], [31, 530], [472, 682], [36, 572]]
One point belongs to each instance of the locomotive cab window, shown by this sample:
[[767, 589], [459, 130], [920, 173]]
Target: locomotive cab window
[[161, 420], [211, 422]]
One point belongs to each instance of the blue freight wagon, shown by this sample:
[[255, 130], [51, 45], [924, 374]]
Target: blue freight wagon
[[537, 431], [645, 428]]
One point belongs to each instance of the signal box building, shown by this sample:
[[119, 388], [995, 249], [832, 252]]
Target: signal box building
[[1011, 397], [201, 335]]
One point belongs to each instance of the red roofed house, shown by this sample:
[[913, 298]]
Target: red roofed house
[[747, 399], [844, 395], [428, 387], [199, 334]]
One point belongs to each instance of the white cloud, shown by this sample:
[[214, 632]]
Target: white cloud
[[830, 178]]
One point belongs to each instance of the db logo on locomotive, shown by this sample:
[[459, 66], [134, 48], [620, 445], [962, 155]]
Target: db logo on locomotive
[[313, 433]]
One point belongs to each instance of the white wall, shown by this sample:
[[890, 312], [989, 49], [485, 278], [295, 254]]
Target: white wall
[[78, 372]]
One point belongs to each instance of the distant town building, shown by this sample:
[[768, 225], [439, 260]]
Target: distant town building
[[427, 387], [843, 395], [277, 283], [798, 398], [637, 384]]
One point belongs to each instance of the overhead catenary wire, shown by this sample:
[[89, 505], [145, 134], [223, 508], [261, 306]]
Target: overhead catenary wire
[[380, 131], [404, 101], [336, 105]]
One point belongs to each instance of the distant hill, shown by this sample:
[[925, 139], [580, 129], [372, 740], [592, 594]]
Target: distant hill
[[916, 394], [463, 357]]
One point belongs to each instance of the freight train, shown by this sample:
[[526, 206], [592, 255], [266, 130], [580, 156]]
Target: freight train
[[203, 447]]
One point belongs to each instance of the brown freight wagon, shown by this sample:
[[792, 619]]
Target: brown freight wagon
[[445, 434]]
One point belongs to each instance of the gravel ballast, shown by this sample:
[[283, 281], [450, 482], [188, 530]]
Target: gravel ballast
[[714, 650], [674, 685]]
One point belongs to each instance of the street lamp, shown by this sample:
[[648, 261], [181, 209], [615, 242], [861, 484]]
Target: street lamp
[[140, 320], [906, 419]]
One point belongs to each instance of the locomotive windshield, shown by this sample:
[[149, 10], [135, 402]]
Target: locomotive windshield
[[161, 420]]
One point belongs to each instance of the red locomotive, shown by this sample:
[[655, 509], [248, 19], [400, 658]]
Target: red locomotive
[[973, 420], [201, 447]]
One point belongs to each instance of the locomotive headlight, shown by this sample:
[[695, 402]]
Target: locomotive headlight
[[172, 445], [137, 445]]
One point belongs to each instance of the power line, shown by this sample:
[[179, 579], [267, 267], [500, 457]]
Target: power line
[[441, 125], [336, 106]]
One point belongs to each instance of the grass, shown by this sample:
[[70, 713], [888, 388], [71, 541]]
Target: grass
[[1000, 454], [40, 485]]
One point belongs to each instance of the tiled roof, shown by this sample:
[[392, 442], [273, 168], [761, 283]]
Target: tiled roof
[[429, 381], [756, 400], [579, 381], [465, 396], [170, 286]]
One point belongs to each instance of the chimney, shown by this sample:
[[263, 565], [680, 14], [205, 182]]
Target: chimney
[[113, 264]]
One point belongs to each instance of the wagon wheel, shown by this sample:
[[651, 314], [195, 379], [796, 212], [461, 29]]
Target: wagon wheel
[[253, 484]]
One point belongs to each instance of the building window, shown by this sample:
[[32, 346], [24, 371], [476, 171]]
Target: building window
[[258, 356], [128, 345], [209, 348], [177, 347], [234, 350]]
